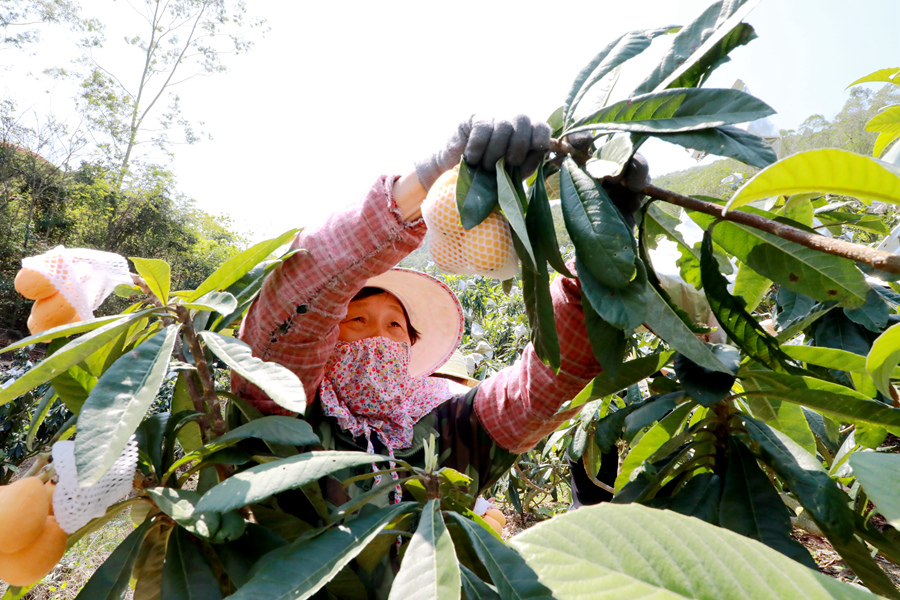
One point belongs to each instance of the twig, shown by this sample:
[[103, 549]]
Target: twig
[[878, 259], [529, 482], [210, 397]]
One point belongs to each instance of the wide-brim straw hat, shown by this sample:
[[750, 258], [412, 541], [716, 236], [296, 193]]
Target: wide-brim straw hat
[[456, 367], [434, 311]]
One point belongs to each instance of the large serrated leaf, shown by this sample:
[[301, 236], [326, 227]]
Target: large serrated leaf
[[753, 508], [157, 274], [804, 476], [605, 62], [786, 417], [71, 354], [187, 574], [430, 569], [539, 219], [650, 442], [278, 382], [883, 359], [817, 275], [829, 171], [300, 569], [695, 41], [881, 75], [514, 579], [607, 342], [727, 141], [539, 309], [511, 205], [624, 308], [118, 403], [832, 399], [476, 195], [237, 266], [673, 111], [603, 241], [698, 73], [609, 552], [262, 481], [630, 373], [740, 325], [879, 475]]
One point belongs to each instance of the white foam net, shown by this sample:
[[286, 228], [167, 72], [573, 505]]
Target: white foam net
[[74, 506], [84, 277], [486, 249]]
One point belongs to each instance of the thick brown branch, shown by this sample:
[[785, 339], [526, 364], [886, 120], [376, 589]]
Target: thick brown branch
[[879, 259], [210, 397]]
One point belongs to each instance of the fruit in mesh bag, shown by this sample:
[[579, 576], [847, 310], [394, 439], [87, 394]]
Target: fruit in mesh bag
[[24, 507], [34, 561], [51, 312], [33, 285], [486, 249]]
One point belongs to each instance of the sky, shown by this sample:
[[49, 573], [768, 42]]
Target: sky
[[338, 93]]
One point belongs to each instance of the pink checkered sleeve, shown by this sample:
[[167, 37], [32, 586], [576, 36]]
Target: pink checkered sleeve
[[294, 321], [518, 405]]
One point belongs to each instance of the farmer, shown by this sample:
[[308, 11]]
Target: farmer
[[363, 337]]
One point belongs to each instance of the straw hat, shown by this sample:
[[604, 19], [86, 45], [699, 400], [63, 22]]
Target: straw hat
[[433, 310], [456, 367]]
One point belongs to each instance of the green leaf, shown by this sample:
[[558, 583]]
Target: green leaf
[[300, 569], [630, 373], [858, 557], [475, 588], [278, 382], [753, 508], [73, 387], [695, 42], [805, 271], [157, 274], [262, 481], [539, 219], [430, 569], [828, 171], [110, 580], [239, 556], [830, 358], [38, 416], [117, 404], [610, 551], [71, 354], [221, 302], [513, 578], [829, 398], [539, 309], [603, 241], [607, 342], [786, 417], [662, 320], [188, 436], [512, 209], [674, 111], [652, 441], [879, 475], [237, 266], [604, 63], [698, 498], [706, 386], [881, 75], [740, 325], [698, 73], [727, 141], [751, 286], [883, 358], [274, 429], [476, 195], [148, 567], [180, 506], [804, 476], [187, 573], [624, 308], [884, 139]]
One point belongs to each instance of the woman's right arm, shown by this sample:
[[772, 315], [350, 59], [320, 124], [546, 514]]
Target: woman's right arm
[[294, 321]]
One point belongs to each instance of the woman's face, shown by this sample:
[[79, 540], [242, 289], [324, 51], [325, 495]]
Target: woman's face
[[376, 316]]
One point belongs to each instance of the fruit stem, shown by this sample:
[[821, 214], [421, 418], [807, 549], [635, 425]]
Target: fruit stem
[[40, 461]]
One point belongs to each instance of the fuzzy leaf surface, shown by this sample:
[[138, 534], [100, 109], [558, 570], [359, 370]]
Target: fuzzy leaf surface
[[609, 552], [430, 569]]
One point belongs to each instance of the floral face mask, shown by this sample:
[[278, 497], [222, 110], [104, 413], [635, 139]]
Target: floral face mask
[[368, 389]]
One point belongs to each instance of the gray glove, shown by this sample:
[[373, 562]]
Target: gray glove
[[484, 142]]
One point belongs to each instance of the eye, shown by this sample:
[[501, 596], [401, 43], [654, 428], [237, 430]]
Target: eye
[[396, 324]]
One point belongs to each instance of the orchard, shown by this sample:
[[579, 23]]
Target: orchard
[[777, 411]]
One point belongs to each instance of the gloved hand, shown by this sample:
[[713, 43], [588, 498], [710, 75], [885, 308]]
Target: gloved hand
[[625, 189], [484, 141]]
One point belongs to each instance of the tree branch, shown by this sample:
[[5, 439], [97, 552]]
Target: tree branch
[[878, 259]]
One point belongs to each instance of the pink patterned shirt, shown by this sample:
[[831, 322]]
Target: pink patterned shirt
[[294, 321]]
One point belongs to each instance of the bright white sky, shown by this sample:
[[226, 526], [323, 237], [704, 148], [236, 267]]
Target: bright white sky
[[339, 92]]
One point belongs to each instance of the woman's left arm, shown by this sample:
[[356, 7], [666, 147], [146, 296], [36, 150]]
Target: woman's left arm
[[518, 406]]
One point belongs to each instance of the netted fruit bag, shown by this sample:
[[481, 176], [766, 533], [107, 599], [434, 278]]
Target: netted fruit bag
[[68, 284], [486, 249]]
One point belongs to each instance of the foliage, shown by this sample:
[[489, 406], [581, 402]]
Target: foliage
[[731, 434]]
